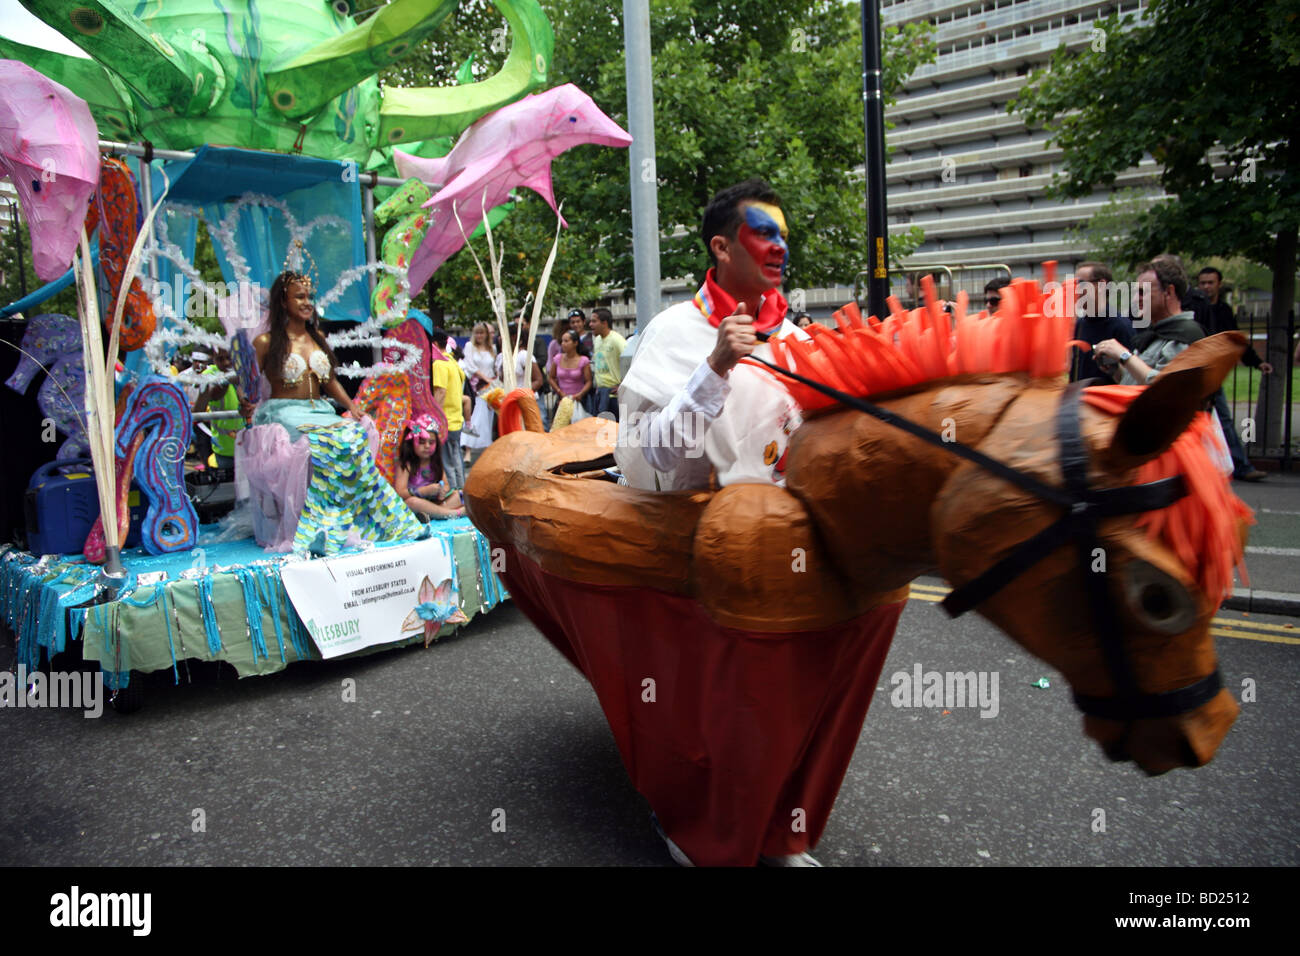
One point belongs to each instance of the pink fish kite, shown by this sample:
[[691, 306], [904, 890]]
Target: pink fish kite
[[512, 147], [49, 147]]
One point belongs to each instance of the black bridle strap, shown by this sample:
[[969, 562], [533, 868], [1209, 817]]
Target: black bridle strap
[[1080, 523], [1145, 706], [1028, 553], [1074, 469], [1003, 471], [1130, 703], [1076, 524]]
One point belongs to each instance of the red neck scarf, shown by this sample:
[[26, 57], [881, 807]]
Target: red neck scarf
[[715, 305]]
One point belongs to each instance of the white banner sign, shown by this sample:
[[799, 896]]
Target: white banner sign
[[361, 600]]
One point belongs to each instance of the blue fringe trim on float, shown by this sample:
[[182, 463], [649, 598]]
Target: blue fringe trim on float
[[490, 585], [252, 611], [267, 594], [40, 598]]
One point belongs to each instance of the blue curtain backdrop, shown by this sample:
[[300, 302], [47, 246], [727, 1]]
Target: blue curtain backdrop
[[217, 177]]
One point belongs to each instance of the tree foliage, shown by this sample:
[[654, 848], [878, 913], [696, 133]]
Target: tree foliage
[[1208, 90], [742, 88], [12, 288]]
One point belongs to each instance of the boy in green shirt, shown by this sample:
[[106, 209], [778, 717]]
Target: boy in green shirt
[[218, 397], [607, 348]]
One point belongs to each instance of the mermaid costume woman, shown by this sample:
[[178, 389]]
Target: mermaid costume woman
[[346, 494]]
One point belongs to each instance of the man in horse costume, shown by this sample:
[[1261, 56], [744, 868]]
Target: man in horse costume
[[682, 418], [733, 602], [692, 412]]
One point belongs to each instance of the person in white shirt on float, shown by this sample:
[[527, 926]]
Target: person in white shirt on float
[[688, 405]]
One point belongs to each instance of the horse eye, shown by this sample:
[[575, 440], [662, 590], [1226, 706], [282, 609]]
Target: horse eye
[[1156, 600]]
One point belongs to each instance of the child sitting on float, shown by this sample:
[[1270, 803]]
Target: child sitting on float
[[419, 480]]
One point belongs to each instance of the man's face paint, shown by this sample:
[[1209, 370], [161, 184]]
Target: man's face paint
[[763, 234]]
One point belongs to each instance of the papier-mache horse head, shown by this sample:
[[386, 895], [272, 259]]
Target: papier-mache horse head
[[1164, 571], [1125, 615]]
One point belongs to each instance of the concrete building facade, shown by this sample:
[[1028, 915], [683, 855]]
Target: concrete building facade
[[965, 170]]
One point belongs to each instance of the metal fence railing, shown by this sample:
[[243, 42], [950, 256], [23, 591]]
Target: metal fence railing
[[1266, 424], [905, 283]]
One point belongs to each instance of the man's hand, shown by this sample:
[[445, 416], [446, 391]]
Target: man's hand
[[1109, 349], [736, 339]]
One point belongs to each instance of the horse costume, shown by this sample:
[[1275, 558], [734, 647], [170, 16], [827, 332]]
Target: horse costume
[[735, 637]]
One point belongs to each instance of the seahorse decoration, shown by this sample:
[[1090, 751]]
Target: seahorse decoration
[[52, 342], [157, 409], [248, 381], [117, 212], [422, 403], [402, 239]]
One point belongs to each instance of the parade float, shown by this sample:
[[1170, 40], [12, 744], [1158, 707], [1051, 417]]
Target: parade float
[[735, 636], [328, 571]]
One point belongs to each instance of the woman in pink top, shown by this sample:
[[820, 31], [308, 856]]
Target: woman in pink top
[[570, 373]]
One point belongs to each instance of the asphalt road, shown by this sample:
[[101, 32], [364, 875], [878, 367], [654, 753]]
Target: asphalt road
[[494, 725]]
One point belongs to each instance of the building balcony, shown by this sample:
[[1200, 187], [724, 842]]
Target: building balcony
[[1027, 152], [993, 57], [943, 134], [1018, 254], [1033, 16], [934, 105], [1003, 190], [1048, 216]]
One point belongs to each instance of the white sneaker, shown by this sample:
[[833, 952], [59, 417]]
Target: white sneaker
[[794, 859], [680, 858]]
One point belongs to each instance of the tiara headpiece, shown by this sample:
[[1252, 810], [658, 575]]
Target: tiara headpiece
[[293, 263]]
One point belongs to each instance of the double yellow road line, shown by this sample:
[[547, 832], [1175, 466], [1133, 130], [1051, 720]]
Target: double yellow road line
[[1219, 626]]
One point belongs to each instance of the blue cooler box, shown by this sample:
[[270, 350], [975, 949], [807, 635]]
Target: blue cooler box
[[62, 504]]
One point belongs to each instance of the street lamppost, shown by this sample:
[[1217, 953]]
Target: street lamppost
[[874, 116], [643, 177]]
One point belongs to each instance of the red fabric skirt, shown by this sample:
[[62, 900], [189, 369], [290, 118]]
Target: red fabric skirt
[[738, 739]]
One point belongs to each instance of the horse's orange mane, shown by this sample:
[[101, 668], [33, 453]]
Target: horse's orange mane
[[1030, 332], [1203, 527]]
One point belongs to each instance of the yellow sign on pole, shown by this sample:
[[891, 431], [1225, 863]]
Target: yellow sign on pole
[[880, 272]]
